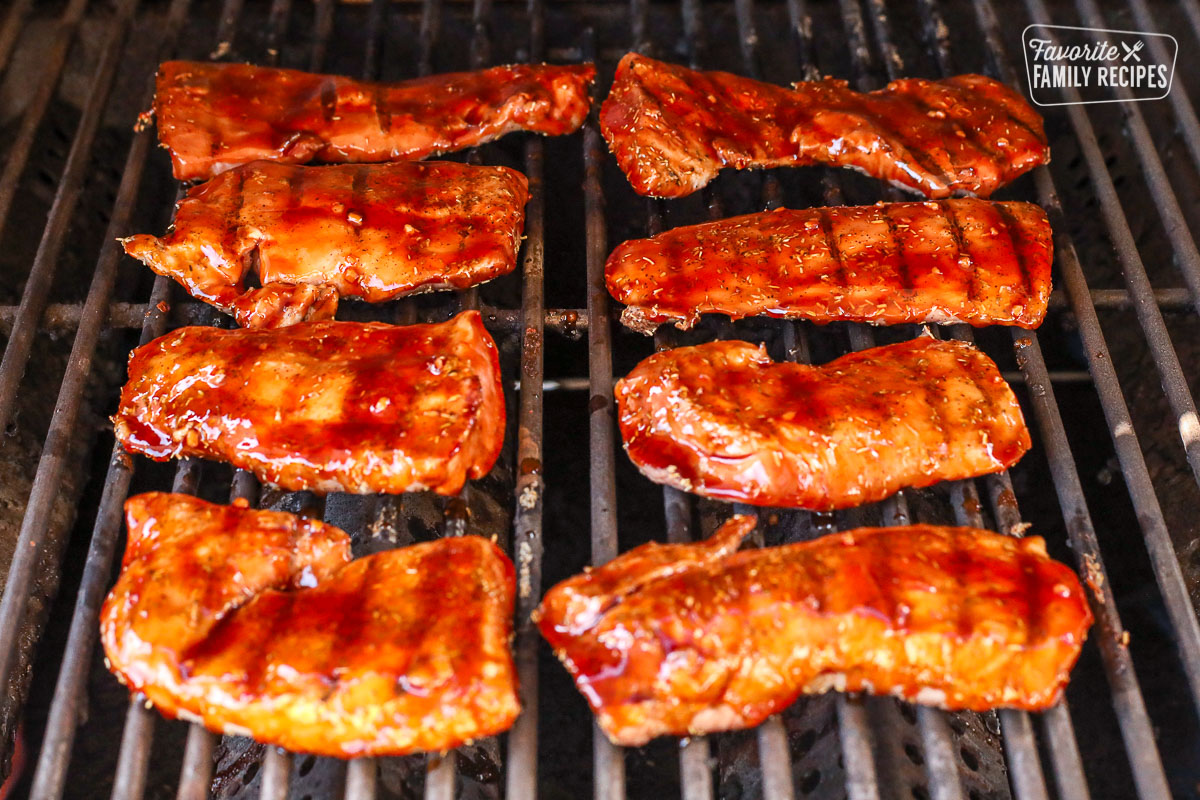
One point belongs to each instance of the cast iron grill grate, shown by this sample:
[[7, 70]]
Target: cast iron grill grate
[[1127, 176]]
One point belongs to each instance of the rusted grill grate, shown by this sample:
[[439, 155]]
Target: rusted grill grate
[[823, 747]]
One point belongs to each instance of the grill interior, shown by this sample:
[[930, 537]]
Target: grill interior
[[1106, 385]]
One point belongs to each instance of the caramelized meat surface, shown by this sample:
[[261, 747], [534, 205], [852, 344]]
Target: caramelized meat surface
[[327, 406], [256, 623], [315, 234], [376, 232], [724, 421], [673, 129], [697, 638], [971, 261], [216, 116]]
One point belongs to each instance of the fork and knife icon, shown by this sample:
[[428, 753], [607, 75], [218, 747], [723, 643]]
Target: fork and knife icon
[[1131, 51]]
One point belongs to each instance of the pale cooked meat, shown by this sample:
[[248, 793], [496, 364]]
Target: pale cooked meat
[[690, 639], [965, 260], [216, 116], [327, 406], [314, 234], [673, 129], [724, 421], [256, 623]]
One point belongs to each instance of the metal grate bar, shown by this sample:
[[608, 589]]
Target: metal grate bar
[[33, 533], [1185, 112], [861, 780], [132, 764], [22, 144], [774, 754], [276, 774], [1174, 223], [934, 728], [1137, 280], [567, 321], [33, 538], [1127, 699], [323, 29], [1059, 734], [431, 23], [695, 752], [134, 757], [196, 774], [1137, 477], [941, 766], [50, 775], [14, 21], [1028, 778], [609, 763], [527, 545], [41, 272], [440, 775], [362, 777]]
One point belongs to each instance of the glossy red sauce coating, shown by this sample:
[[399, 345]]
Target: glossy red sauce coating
[[256, 623], [965, 260], [695, 638], [326, 406], [314, 234], [722, 420], [673, 129], [216, 116]]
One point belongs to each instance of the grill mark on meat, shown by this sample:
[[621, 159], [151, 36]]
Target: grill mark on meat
[[835, 250], [1012, 227], [358, 192], [876, 398], [1035, 610], [383, 111], [274, 652], [782, 621], [908, 149], [969, 134], [229, 239], [959, 558], [328, 94], [935, 392], [772, 264], [214, 116], [902, 263], [671, 129], [376, 232], [366, 413], [1002, 112], [352, 617], [296, 181], [956, 233]]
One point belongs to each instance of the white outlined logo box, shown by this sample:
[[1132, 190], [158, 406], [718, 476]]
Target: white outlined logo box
[[1069, 65]]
